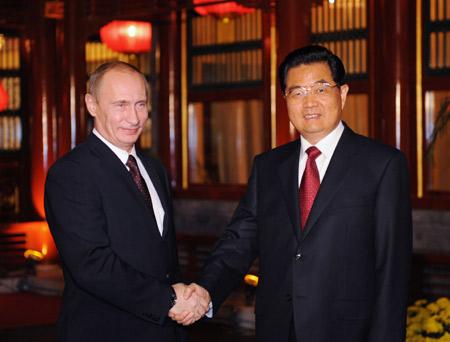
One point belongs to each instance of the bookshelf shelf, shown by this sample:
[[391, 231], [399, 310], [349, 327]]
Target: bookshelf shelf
[[11, 128], [227, 118]]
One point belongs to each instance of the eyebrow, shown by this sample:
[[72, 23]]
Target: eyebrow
[[321, 81]]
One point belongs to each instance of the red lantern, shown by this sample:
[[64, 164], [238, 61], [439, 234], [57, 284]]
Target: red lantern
[[223, 9], [4, 98], [127, 36]]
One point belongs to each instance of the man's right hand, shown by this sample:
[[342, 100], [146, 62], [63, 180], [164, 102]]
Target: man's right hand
[[192, 303]]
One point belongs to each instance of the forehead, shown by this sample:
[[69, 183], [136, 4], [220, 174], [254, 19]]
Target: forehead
[[306, 74], [118, 81]]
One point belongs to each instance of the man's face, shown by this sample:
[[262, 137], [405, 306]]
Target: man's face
[[119, 108], [316, 112]]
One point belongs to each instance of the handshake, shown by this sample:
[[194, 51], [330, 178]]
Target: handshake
[[192, 303]]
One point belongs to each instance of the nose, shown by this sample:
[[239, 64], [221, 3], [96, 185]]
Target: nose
[[309, 100], [132, 116]]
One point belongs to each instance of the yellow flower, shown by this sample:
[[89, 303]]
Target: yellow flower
[[445, 338], [443, 302], [433, 308], [420, 302], [414, 328], [431, 326]]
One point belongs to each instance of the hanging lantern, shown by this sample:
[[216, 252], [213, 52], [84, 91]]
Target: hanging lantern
[[127, 36], [222, 9], [4, 98]]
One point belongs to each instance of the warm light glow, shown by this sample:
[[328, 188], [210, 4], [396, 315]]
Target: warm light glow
[[251, 279], [38, 242], [32, 254], [223, 9], [127, 36], [132, 31]]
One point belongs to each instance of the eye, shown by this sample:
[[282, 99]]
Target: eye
[[322, 89], [297, 92], [141, 105], [120, 105]]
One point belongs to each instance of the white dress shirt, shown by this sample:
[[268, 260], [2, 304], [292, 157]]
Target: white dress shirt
[[123, 156], [326, 146]]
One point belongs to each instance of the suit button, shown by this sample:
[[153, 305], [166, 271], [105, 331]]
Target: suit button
[[167, 275], [298, 256]]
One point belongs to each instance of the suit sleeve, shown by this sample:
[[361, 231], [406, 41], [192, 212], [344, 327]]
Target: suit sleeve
[[393, 246], [74, 211], [235, 250]]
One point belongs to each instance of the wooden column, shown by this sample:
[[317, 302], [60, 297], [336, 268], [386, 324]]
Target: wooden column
[[292, 32], [168, 117], [72, 70], [392, 76], [39, 49]]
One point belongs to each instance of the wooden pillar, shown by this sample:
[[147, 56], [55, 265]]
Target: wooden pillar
[[392, 76], [168, 117], [72, 70], [42, 121], [292, 32]]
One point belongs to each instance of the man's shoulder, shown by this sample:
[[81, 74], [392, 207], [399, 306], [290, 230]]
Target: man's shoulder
[[281, 152], [74, 160], [372, 147]]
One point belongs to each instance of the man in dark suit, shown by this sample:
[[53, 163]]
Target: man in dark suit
[[329, 218], [110, 213]]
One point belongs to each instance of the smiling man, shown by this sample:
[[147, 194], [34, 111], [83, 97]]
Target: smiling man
[[109, 210], [329, 218]]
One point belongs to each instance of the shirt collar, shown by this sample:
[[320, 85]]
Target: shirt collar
[[326, 145], [121, 154]]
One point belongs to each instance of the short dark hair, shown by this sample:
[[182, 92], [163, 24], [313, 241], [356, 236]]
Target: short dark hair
[[308, 55], [96, 77]]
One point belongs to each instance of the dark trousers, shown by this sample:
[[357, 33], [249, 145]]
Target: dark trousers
[[292, 337]]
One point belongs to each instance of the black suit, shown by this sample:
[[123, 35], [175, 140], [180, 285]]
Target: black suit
[[345, 277], [117, 266]]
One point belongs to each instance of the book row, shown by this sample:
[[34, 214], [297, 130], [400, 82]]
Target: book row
[[98, 53], [209, 30], [12, 87], [439, 50], [439, 10], [9, 53], [10, 133], [353, 53], [341, 15], [233, 67]]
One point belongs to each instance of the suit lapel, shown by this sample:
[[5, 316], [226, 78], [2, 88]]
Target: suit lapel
[[333, 178], [113, 164], [288, 174]]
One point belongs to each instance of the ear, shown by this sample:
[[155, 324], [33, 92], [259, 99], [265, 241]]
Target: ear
[[344, 90], [91, 104]]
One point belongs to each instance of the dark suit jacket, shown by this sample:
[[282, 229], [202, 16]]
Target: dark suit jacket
[[345, 278], [117, 267]]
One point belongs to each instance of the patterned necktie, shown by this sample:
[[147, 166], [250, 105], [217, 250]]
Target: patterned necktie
[[309, 185], [139, 180]]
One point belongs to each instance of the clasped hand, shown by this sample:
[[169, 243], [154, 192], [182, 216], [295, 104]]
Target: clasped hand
[[192, 303]]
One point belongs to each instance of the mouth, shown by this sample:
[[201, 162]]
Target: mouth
[[312, 116], [131, 131]]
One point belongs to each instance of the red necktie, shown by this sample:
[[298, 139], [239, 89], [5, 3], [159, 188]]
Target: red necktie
[[309, 185], [139, 180]]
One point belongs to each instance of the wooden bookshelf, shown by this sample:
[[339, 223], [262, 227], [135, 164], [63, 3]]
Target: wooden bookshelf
[[228, 117], [225, 53], [342, 27], [11, 127]]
